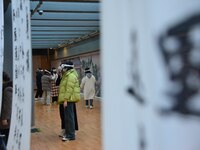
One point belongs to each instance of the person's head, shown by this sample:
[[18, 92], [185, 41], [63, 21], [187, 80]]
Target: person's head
[[67, 66], [39, 69], [59, 69], [6, 77], [54, 70], [87, 70], [88, 73], [47, 72]]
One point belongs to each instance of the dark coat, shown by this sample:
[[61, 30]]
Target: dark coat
[[6, 108], [39, 79]]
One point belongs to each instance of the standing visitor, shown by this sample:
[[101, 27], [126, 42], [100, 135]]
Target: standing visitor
[[39, 84], [61, 107], [6, 108], [54, 87], [88, 86], [69, 94], [46, 86]]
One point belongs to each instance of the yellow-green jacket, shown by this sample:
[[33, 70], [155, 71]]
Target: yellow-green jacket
[[69, 88]]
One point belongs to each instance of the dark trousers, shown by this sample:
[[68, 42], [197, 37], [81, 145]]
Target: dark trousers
[[87, 102], [54, 99], [39, 92], [62, 117], [61, 109], [6, 133], [69, 120], [2, 144]]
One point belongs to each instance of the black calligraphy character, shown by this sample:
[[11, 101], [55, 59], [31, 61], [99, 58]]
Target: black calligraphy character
[[16, 72], [21, 117], [21, 5], [15, 133], [22, 52], [14, 14], [17, 13], [180, 49], [23, 73], [15, 88], [135, 89], [15, 34], [27, 61], [17, 136], [20, 140], [17, 113], [16, 53], [142, 142], [27, 22], [19, 93]]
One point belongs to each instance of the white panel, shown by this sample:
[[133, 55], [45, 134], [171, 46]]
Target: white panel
[[19, 138], [174, 35], [119, 107], [1, 46], [145, 45]]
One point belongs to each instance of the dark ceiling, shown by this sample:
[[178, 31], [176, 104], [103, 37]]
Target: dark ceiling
[[63, 22]]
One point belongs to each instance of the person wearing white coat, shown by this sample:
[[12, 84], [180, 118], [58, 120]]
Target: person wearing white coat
[[88, 86]]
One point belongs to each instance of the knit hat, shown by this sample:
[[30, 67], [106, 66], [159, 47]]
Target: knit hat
[[87, 70], [47, 72], [54, 69], [39, 69]]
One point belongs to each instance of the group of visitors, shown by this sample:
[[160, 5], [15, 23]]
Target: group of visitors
[[63, 86], [46, 83]]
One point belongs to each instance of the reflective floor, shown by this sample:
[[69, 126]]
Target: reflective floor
[[47, 120]]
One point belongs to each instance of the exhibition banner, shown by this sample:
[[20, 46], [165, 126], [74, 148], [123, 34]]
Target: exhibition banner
[[151, 74], [19, 138]]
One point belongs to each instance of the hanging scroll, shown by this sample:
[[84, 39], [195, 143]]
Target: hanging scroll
[[19, 137]]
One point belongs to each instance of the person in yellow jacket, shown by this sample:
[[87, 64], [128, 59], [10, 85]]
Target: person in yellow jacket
[[69, 94]]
